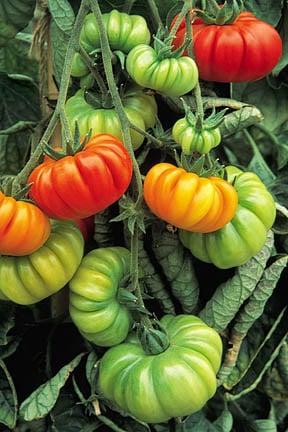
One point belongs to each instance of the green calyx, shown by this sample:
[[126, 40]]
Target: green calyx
[[222, 15], [72, 148], [153, 340], [163, 45], [98, 101], [203, 166], [210, 123]]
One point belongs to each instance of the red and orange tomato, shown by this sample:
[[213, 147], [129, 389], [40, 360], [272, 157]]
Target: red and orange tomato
[[75, 187], [188, 201]]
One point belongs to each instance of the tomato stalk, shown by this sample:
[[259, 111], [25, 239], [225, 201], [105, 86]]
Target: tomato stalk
[[59, 110], [94, 71], [107, 62], [184, 12]]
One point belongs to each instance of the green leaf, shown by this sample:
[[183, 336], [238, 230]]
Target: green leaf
[[43, 399], [91, 370], [68, 416], [282, 28], [8, 398], [59, 41], [198, 422], [256, 303], [6, 321], [229, 296], [9, 349], [239, 120], [275, 382], [265, 341], [19, 102], [103, 230], [266, 10], [62, 13], [14, 59], [263, 426], [151, 279], [14, 16], [177, 266], [273, 103]]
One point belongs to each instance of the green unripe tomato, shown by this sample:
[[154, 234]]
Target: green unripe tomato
[[28, 279], [190, 139], [245, 235], [170, 76], [175, 383], [124, 33], [94, 305], [141, 110]]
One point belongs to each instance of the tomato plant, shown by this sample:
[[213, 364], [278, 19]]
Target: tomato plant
[[245, 50], [182, 377], [76, 187], [94, 306], [188, 201], [24, 227], [165, 144]]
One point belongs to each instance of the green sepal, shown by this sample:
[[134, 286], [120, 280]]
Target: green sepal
[[153, 340], [225, 14], [132, 212], [126, 297], [210, 123], [71, 149], [122, 58], [203, 166], [93, 99], [163, 45]]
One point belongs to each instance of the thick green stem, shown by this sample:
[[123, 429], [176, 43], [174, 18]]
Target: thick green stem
[[71, 48], [146, 134], [197, 89], [156, 18], [94, 71], [107, 62], [185, 9], [107, 56]]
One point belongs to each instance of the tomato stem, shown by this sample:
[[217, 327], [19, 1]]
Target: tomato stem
[[107, 62], [185, 9], [71, 48], [94, 71]]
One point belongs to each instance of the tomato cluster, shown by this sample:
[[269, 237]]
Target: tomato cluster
[[222, 218]]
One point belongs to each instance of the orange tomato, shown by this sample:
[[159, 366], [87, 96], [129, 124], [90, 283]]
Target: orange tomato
[[188, 201], [24, 228]]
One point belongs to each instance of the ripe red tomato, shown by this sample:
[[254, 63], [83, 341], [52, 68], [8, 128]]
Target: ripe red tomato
[[245, 50], [75, 187], [24, 228]]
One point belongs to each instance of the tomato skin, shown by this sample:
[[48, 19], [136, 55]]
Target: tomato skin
[[184, 199], [94, 307], [29, 279], [24, 228], [79, 186], [170, 76], [245, 235], [124, 33], [190, 139], [245, 50], [141, 110], [174, 383]]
